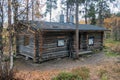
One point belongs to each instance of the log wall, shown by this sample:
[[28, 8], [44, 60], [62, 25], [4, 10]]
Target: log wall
[[51, 49], [98, 40], [44, 45], [27, 50]]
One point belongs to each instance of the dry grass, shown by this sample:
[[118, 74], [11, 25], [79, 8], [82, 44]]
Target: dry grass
[[105, 71], [37, 75], [112, 47], [83, 72]]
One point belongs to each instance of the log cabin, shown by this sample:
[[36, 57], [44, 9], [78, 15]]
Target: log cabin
[[43, 41]]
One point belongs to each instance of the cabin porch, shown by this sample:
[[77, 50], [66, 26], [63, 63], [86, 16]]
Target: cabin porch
[[90, 40]]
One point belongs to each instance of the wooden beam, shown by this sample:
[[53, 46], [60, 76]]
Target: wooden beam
[[87, 40], [35, 47], [40, 44], [84, 52], [30, 30]]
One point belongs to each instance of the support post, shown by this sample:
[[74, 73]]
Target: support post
[[40, 45], [35, 47]]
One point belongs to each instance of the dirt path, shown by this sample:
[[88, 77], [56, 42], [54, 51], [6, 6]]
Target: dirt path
[[63, 64], [27, 70]]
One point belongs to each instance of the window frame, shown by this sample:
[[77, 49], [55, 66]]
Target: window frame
[[92, 41], [58, 45]]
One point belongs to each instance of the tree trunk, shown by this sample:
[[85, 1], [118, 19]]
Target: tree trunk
[[15, 2], [100, 14], [50, 10], [50, 14], [67, 18], [1, 27], [77, 31], [27, 10], [86, 12], [10, 34], [32, 9]]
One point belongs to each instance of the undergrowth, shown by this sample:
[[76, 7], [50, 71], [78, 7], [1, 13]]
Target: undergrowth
[[103, 74], [6, 73], [67, 76], [82, 73], [112, 48]]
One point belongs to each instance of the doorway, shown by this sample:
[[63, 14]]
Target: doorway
[[83, 41]]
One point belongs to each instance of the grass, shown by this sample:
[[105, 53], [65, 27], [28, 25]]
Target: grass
[[110, 53], [112, 48], [67, 76], [111, 41], [83, 72], [103, 74]]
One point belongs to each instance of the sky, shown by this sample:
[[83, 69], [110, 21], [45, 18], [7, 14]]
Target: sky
[[57, 12]]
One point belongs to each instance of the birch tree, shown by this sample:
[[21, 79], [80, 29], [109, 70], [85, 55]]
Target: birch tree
[[10, 34]]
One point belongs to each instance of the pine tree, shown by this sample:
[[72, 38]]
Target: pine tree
[[51, 4]]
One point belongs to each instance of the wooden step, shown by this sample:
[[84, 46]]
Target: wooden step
[[85, 52]]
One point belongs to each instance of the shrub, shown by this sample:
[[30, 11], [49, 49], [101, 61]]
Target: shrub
[[83, 72], [6, 73], [110, 53], [103, 74], [104, 77], [67, 76], [116, 48]]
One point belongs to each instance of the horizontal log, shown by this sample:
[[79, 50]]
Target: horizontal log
[[52, 45], [58, 52], [54, 55], [27, 54], [54, 50], [26, 49]]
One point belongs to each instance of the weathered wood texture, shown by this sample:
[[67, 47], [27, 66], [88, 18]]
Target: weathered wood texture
[[98, 40], [44, 45], [51, 49], [27, 50]]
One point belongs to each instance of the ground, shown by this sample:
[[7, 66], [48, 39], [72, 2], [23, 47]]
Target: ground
[[27, 70]]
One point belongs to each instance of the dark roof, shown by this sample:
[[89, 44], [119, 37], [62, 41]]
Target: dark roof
[[64, 26]]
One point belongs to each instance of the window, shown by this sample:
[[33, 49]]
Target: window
[[91, 41], [60, 43], [26, 40]]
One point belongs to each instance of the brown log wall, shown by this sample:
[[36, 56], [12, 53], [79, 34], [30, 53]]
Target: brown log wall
[[47, 43], [50, 45], [98, 40]]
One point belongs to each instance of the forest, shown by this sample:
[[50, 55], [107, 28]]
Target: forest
[[92, 12]]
